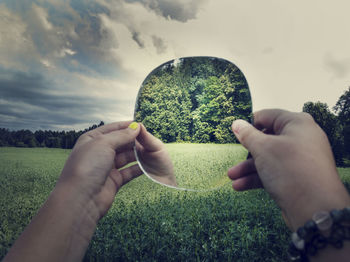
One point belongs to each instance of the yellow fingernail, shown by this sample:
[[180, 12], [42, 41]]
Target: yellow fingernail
[[134, 125]]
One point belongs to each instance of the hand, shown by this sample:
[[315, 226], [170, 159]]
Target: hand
[[93, 166], [293, 162], [154, 158], [63, 227]]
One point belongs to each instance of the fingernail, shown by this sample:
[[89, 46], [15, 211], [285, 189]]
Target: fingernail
[[133, 125], [235, 127]]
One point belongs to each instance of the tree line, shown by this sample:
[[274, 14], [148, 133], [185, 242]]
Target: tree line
[[42, 138], [335, 125]]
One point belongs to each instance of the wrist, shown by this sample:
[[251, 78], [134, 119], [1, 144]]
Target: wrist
[[326, 229], [304, 207], [76, 208], [61, 230], [78, 192]]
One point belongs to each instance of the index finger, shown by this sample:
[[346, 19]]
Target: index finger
[[272, 120], [102, 130], [121, 140], [112, 127]]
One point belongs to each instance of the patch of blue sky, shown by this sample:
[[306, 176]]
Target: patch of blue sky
[[88, 65], [86, 8]]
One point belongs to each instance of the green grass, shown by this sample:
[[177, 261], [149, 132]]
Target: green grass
[[149, 222], [212, 162], [344, 174]]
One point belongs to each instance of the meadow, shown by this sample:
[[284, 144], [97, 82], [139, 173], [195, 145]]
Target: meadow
[[211, 163], [150, 222]]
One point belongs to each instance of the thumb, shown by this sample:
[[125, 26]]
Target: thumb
[[250, 137], [148, 141]]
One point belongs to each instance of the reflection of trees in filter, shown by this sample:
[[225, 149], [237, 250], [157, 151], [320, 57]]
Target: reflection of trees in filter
[[194, 101]]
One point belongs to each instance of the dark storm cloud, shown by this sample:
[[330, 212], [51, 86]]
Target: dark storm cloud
[[67, 37], [180, 10], [30, 101], [68, 42], [159, 44], [69, 31]]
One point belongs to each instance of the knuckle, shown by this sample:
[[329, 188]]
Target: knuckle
[[100, 139], [306, 117], [85, 135], [245, 136], [94, 134], [82, 137]]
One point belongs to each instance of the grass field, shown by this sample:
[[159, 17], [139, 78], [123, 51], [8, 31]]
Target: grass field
[[204, 175], [149, 222]]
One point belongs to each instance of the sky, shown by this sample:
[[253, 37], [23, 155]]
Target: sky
[[68, 64]]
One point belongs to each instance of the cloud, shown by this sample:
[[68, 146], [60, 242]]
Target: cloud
[[57, 33], [339, 67], [31, 101], [17, 49], [136, 36], [78, 35], [180, 10], [82, 60], [60, 63], [159, 44]]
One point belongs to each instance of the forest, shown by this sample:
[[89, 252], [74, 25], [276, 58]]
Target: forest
[[42, 138], [194, 100]]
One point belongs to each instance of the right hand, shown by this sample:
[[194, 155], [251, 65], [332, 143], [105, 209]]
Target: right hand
[[293, 161]]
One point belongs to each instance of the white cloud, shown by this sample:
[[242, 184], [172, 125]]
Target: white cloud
[[137, 61], [42, 15], [16, 47], [66, 51], [46, 63], [180, 10]]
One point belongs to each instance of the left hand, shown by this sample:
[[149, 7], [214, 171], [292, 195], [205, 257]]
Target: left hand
[[63, 227], [93, 166]]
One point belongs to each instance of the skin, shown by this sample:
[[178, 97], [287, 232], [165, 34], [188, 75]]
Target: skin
[[292, 160], [90, 179], [155, 158]]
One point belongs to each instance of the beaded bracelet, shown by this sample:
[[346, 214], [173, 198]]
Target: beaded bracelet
[[324, 228]]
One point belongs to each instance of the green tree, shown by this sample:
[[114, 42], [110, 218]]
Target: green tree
[[32, 142], [164, 108], [330, 125], [223, 132], [195, 100], [40, 137], [342, 108]]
